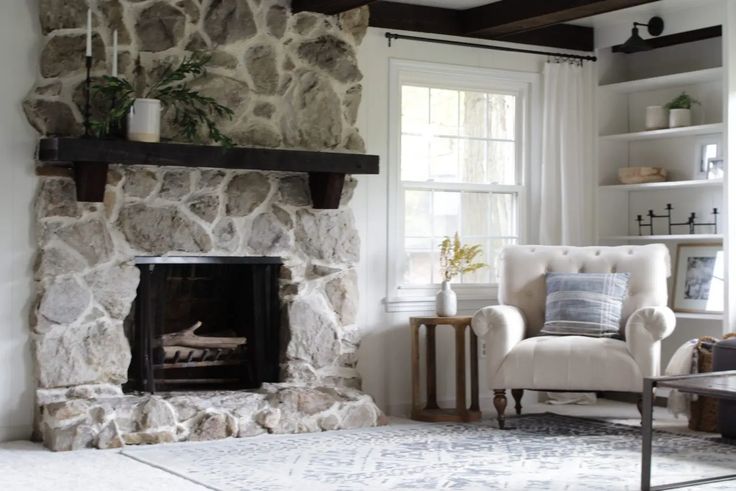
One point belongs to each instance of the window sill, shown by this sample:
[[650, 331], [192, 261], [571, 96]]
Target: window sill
[[467, 303]]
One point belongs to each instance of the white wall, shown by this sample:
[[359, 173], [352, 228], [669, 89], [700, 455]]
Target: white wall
[[20, 39], [384, 355]]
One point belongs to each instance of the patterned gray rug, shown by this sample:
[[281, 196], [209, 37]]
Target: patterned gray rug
[[540, 452]]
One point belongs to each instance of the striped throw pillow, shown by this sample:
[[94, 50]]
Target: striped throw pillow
[[584, 304]]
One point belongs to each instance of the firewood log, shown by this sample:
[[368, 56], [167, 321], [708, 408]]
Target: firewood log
[[189, 339]]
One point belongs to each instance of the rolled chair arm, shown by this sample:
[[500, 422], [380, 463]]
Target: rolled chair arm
[[502, 327], [645, 329]]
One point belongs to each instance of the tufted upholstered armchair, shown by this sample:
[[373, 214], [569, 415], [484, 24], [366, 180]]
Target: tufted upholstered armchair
[[519, 358]]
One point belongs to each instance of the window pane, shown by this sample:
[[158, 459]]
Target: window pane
[[417, 215], [473, 161], [502, 111], [494, 252], [473, 114], [502, 214], [418, 261], [444, 111], [414, 158], [501, 162], [446, 208], [443, 159], [482, 275], [476, 214], [414, 109], [460, 137]]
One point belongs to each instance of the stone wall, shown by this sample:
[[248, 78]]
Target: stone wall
[[293, 82]]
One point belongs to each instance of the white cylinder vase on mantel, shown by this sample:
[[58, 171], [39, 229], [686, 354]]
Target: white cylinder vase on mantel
[[446, 301], [656, 118], [144, 121], [680, 118]]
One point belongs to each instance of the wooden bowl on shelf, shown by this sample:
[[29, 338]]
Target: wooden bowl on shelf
[[640, 175]]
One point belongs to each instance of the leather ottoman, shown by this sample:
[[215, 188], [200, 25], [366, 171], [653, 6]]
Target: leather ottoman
[[724, 358]]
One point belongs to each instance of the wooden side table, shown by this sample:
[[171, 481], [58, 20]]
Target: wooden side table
[[431, 411]]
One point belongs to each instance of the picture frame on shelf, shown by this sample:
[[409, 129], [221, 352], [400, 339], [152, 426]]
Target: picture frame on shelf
[[699, 278], [716, 168], [707, 148]]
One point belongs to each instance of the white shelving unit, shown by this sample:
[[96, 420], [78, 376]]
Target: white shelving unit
[[627, 85], [661, 186], [666, 81], [663, 238], [701, 129], [699, 316]]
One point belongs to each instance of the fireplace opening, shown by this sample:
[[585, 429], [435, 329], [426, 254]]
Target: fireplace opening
[[204, 323]]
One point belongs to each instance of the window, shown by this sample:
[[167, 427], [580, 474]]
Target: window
[[459, 167]]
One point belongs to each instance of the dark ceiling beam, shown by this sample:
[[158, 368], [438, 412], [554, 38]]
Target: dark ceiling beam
[[433, 20], [509, 17], [328, 7], [417, 18], [563, 36]]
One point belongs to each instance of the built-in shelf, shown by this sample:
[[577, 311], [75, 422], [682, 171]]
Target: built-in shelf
[[654, 186], [654, 238], [699, 316], [666, 81], [701, 129], [91, 157]]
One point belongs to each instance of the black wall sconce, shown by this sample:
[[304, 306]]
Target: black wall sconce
[[635, 43]]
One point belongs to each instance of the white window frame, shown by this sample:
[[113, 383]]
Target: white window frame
[[525, 86]]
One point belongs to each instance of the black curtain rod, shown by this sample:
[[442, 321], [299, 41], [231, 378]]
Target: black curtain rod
[[391, 36]]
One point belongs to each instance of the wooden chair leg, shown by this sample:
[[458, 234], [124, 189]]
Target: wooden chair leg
[[499, 402], [517, 394]]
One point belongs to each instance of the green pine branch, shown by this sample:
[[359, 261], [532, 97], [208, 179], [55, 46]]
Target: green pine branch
[[192, 111]]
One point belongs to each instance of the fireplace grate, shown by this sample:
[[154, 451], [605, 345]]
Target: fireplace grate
[[205, 323]]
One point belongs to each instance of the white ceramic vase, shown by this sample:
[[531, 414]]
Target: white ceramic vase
[[680, 118], [446, 301], [656, 118], [144, 121]]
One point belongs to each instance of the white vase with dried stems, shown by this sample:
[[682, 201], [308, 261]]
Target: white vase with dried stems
[[455, 259]]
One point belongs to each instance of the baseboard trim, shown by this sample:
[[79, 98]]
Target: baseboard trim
[[11, 433]]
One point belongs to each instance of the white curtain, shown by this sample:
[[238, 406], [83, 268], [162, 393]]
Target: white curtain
[[567, 187]]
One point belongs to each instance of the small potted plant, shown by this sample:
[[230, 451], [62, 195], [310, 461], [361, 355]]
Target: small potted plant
[[141, 111], [679, 107], [455, 259]]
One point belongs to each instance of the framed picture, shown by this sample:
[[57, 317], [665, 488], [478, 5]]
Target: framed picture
[[707, 148], [699, 278]]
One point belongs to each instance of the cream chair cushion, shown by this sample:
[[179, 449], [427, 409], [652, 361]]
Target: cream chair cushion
[[570, 363]]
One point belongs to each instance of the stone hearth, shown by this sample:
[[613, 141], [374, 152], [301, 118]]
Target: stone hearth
[[293, 82]]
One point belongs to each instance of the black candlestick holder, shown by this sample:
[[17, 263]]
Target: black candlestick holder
[[87, 96], [691, 222], [713, 224]]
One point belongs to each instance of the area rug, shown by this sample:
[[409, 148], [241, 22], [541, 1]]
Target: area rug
[[538, 452]]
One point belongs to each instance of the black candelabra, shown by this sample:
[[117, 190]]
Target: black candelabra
[[691, 224]]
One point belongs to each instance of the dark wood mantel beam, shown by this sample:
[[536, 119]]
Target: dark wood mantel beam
[[329, 7], [434, 20], [509, 17]]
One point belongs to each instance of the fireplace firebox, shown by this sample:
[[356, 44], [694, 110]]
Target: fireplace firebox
[[204, 323]]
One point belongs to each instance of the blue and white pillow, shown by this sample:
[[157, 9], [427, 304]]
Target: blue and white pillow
[[585, 304]]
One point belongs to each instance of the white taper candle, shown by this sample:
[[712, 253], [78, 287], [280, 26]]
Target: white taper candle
[[115, 53], [89, 32]]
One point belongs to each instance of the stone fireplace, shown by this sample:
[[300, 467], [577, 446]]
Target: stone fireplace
[[293, 82]]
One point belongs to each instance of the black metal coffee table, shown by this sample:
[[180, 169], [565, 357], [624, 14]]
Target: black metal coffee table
[[720, 385]]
